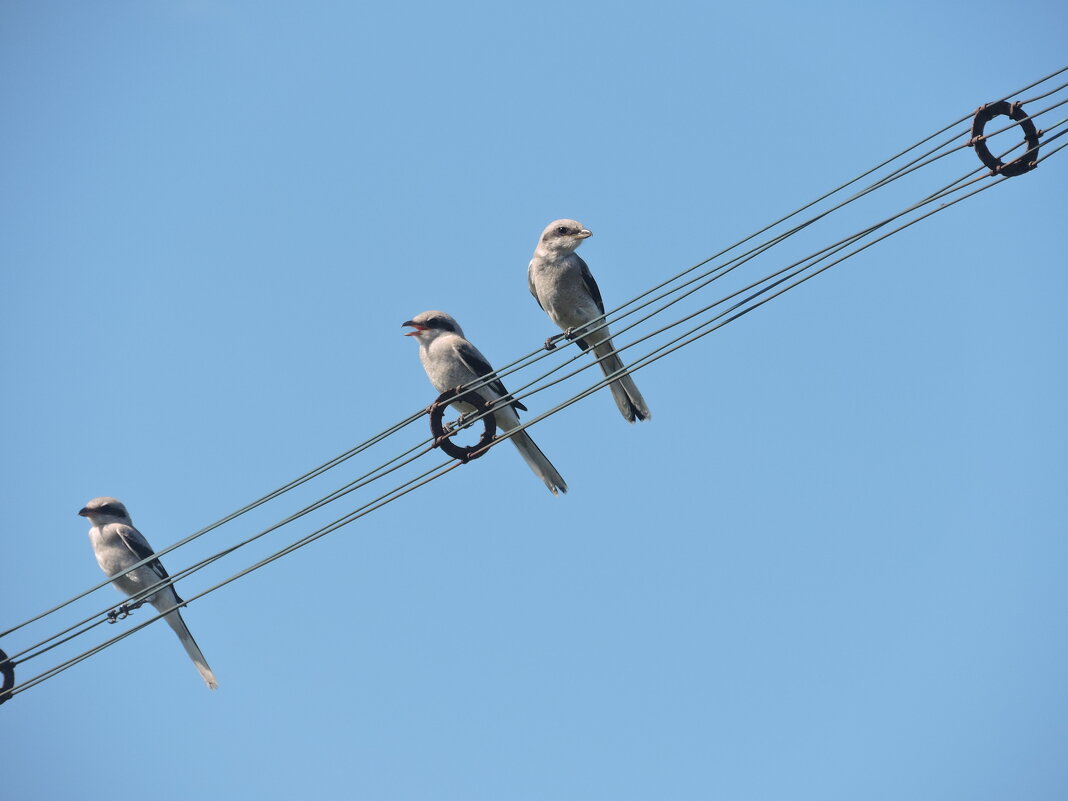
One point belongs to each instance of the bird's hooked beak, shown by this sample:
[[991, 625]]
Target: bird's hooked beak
[[418, 329], [585, 233], [84, 511]]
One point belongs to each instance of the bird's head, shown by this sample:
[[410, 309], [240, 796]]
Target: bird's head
[[563, 236], [101, 511], [431, 324]]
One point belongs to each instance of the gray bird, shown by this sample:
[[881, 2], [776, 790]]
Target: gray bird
[[118, 545], [451, 361], [563, 286]]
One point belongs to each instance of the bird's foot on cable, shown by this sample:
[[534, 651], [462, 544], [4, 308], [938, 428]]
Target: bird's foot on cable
[[451, 428], [122, 611], [550, 343]]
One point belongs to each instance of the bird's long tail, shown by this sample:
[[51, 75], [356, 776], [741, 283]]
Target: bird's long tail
[[629, 400], [174, 620], [539, 463]]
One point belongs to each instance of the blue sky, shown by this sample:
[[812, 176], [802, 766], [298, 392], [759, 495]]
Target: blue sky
[[831, 567]]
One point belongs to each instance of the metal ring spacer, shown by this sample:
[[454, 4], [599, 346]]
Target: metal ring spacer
[[442, 439], [1014, 111]]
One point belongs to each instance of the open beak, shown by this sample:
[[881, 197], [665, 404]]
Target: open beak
[[418, 329], [585, 233]]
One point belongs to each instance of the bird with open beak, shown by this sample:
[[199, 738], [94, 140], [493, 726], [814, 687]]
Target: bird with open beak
[[451, 361]]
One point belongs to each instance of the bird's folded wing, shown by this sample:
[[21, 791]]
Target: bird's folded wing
[[477, 364], [139, 547]]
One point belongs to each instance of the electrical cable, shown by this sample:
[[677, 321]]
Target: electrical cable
[[654, 355], [503, 372]]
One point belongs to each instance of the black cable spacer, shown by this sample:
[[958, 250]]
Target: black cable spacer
[[7, 669], [1014, 111], [442, 437]]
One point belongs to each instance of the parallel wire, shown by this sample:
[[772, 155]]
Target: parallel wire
[[813, 258], [371, 506], [695, 333], [313, 473], [1044, 94], [654, 355], [540, 353], [905, 169], [602, 321], [657, 353], [683, 342], [379, 472], [509, 368]]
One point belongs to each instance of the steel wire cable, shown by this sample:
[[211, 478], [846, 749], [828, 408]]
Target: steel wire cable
[[425, 478], [1044, 94], [696, 333], [604, 319], [539, 353], [382, 470], [536, 385], [911, 166], [643, 361], [314, 472], [371, 506]]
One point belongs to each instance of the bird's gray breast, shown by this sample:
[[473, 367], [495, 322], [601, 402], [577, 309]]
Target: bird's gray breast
[[562, 291], [443, 365]]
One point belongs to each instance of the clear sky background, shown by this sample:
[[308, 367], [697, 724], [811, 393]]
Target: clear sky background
[[831, 567]]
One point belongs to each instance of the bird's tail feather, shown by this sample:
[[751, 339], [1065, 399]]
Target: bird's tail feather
[[539, 463], [625, 392], [174, 620]]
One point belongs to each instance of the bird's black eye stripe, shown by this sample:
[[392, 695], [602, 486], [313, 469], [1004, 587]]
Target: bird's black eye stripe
[[440, 323], [108, 509], [563, 229]]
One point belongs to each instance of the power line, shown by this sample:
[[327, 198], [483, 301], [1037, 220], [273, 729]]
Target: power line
[[382, 500], [754, 300]]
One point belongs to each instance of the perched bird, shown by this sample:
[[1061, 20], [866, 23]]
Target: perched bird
[[118, 545], [563, 286], [451, 361]]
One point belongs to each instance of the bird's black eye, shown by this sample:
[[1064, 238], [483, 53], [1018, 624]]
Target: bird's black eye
[[563, 229]]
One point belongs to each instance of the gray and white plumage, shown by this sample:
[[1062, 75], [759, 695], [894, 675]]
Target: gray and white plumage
[[451, 361], [118, 545], [563, 286]]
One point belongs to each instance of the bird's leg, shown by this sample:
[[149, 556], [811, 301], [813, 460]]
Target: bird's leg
[[122, 611], [452, 428], [550, 343]]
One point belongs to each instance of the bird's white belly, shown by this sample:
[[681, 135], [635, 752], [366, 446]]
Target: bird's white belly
[[444, 373]]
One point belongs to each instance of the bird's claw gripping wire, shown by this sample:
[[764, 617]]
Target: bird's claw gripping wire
[[458, 424], [122, 611], [443, 432], [550, 343]]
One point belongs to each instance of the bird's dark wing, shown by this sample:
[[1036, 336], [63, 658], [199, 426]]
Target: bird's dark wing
[[478, 365], [591, 285], [139, 547]]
